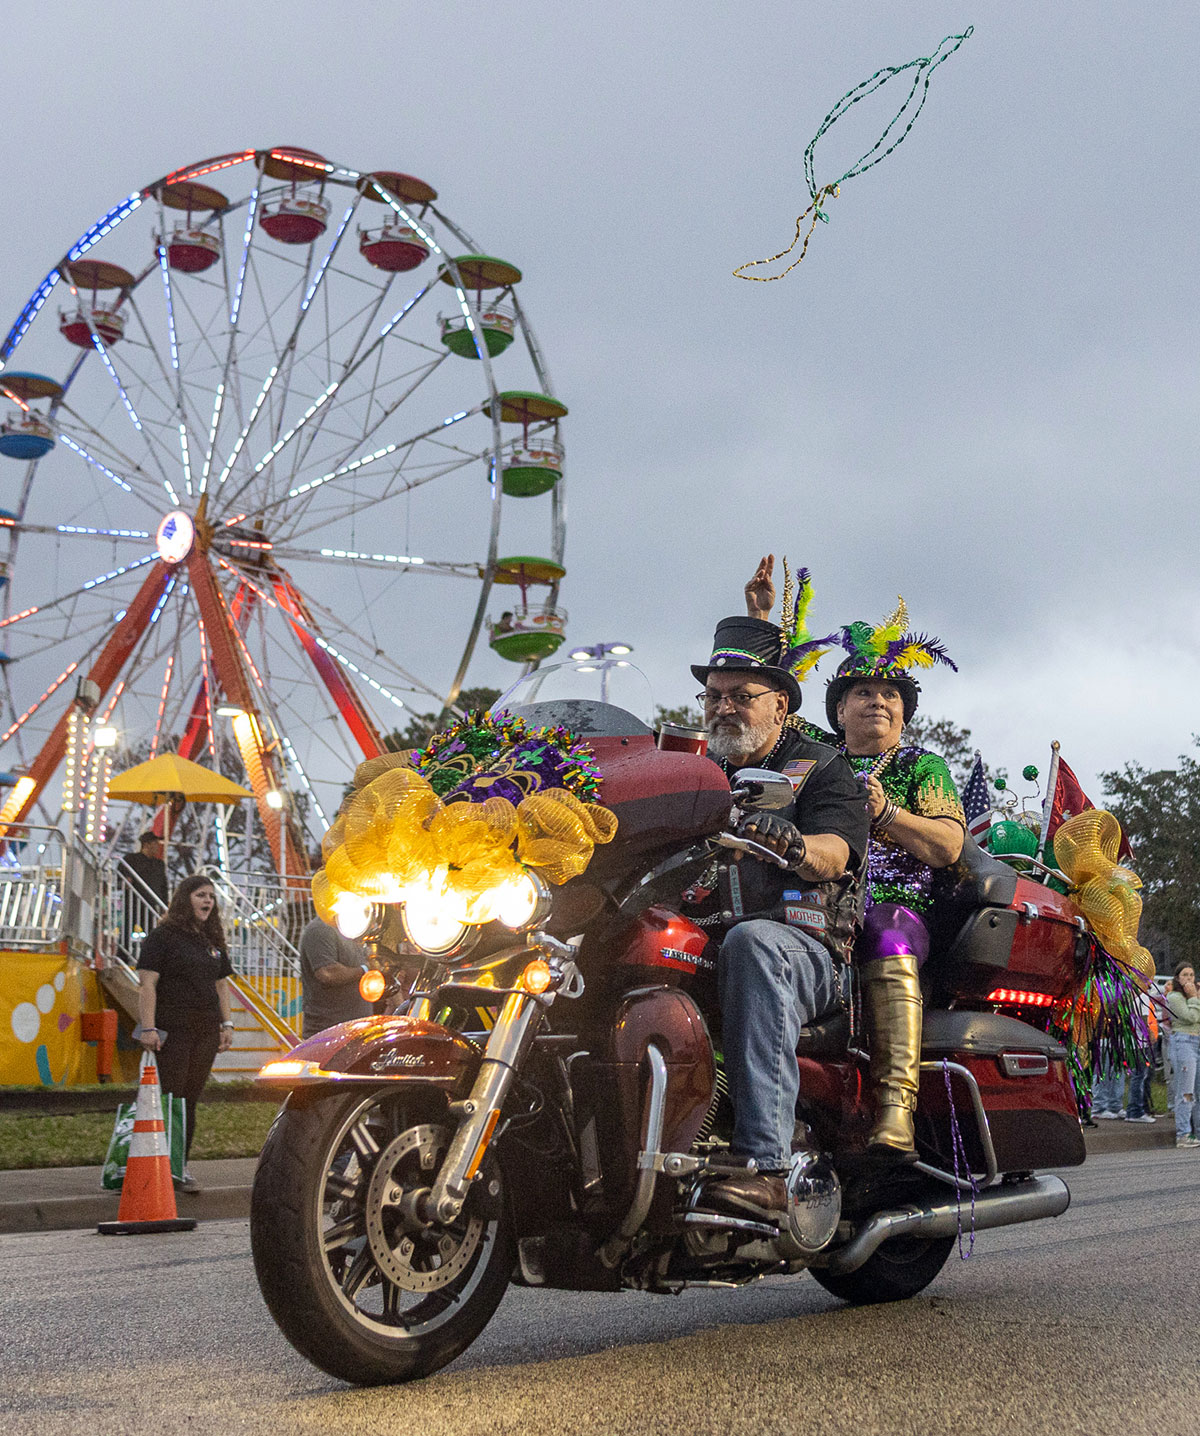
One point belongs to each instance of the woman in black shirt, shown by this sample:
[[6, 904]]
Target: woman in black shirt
[[184, 998]]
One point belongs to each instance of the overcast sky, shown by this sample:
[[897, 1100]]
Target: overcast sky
[[978, 390]]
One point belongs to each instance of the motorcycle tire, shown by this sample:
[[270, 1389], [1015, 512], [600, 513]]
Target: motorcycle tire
[[898, 1270], [306, 1276]]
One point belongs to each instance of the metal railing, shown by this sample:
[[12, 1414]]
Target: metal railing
[[129, 910], [263, 917], [33, 880]]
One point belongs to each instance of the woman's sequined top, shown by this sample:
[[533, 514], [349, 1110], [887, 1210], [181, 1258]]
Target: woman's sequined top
[[919, 782]]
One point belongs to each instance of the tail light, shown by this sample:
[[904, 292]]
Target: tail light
[[1012, 997]]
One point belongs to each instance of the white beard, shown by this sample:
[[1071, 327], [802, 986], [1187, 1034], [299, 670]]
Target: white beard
[[736, 746]]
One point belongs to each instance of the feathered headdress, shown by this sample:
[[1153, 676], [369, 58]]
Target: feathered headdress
[[800, 650], [889, 651]]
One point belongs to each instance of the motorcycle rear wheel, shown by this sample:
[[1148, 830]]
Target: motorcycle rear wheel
[[362, 1294], [898, 1270]]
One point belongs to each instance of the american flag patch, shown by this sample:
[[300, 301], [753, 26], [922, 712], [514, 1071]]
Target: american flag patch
[[797, 772]]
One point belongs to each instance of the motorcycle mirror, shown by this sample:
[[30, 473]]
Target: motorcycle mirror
[[762, 790]]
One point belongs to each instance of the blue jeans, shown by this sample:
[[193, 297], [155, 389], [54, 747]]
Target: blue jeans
[[1185, 1053], [774, 980], [1139, 1088], [1108, 1090]]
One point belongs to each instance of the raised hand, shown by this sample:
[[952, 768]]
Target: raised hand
[[760, 591]]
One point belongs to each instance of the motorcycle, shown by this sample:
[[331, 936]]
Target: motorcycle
[[547, 1108]]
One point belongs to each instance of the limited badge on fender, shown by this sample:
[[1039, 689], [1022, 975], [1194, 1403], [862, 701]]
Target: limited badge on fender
[[804, 910], [797, 772]]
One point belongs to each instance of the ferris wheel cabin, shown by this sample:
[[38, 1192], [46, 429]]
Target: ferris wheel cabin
[[191, 248], [497, 323], [25, 434], [528, 632], [87, 321], [533, 464], [394, 246], [301, 215]]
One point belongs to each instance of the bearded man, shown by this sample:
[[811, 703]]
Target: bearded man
[[789, 928]]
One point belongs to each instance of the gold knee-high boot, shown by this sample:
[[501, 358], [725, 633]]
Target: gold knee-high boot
[[892, 1006]]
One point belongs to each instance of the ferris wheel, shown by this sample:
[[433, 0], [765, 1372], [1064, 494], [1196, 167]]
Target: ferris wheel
[[249, 469]]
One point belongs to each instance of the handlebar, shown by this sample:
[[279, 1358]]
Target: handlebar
[[754, 850]]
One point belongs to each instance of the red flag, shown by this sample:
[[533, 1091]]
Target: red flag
[[1069, 801]]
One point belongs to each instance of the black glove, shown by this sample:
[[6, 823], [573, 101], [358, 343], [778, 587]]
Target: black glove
[[778, 834]]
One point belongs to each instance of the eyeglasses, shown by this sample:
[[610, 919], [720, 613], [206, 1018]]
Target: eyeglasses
[[742, 699]]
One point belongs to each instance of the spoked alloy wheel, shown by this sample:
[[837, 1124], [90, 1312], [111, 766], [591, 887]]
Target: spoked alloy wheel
[[356, 1281]]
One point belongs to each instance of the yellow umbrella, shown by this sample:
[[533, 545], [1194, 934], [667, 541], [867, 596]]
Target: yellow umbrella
[[163, 778]]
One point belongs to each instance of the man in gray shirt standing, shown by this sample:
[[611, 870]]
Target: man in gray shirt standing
[[330, 967]]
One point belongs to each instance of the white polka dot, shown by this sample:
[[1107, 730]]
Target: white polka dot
[[60, 979], [45, 997], [25, 1021]]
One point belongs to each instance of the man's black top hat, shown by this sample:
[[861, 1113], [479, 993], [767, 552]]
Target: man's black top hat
[[750, 645]]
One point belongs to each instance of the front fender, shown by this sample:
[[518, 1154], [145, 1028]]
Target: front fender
[[379, 1048]]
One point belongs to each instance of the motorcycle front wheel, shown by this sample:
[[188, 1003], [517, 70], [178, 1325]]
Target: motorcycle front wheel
[[354, 1280]]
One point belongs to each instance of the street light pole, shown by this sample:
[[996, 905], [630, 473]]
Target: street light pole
[[600, 652]]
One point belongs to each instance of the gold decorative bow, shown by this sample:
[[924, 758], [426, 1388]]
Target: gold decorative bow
[[1087, 848]]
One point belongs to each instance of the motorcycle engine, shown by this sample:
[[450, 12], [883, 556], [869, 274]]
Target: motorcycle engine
[[814, 1203]]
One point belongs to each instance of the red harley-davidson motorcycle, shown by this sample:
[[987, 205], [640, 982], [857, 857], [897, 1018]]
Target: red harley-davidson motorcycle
[[546, 1108]]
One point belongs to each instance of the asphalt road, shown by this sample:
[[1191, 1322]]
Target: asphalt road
[[1087, 1324]]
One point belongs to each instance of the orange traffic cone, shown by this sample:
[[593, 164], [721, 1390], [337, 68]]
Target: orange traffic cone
[[147, 1196]]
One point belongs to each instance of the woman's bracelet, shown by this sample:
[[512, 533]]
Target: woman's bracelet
[[886, 818]]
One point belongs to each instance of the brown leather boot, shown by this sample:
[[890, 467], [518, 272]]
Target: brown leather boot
[[892, 1007]]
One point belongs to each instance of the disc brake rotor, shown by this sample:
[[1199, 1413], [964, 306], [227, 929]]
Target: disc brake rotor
[[411, 1256]]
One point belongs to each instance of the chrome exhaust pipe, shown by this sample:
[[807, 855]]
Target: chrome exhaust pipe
[[1001, 1206]]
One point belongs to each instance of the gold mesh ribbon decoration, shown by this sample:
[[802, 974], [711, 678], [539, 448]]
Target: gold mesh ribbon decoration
[[396, 838], [558, 833], [1087, 848]]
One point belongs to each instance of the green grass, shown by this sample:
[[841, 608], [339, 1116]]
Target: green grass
[[224, 1129]]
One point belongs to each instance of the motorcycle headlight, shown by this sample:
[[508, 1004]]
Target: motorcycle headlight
[[355, 916], [430, 926], [523, 901]]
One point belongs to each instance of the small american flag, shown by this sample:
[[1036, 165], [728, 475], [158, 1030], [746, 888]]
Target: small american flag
[[977, 802]]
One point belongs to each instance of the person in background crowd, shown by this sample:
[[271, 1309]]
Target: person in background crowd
[[330, 968], [1108, 1093], [1163, 1013], [1184, 1002], [183, 999], [147, 865], [1138, 1109]]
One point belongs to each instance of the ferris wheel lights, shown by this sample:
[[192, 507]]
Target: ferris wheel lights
[[114, 573], [241, 438], [95, 463], [105, 736], [274, 799], [105, 226], [324, 265], [374, 557], [225, 711], [251, 209]]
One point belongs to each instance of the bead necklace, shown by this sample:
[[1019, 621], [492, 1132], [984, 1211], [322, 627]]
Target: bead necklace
[[879, 764]]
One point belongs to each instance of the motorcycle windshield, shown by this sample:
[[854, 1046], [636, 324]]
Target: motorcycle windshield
[[593, 698]]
